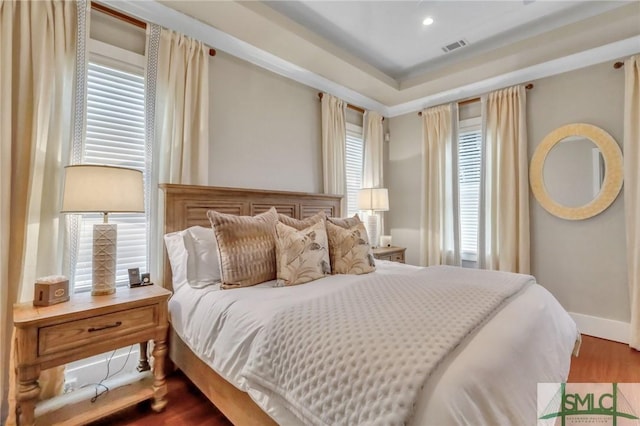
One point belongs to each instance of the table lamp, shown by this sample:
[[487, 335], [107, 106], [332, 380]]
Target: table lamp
[[103, 189], [374, 200]]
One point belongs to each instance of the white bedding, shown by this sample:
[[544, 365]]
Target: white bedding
[[489, 379]]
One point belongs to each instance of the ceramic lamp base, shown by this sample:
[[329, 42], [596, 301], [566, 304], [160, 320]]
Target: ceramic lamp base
[[372, 229], [104, 259]]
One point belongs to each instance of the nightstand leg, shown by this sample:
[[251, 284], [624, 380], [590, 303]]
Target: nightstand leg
[[159, 382], [27, 394], [143, 364]]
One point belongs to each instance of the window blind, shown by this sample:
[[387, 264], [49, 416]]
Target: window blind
[[469, 157], [353, 159], [115, 136]]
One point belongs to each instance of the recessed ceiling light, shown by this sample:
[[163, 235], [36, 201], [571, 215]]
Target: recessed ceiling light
[[427, 21]]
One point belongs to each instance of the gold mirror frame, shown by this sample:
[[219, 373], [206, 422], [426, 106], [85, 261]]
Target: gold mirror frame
[[612, 175]]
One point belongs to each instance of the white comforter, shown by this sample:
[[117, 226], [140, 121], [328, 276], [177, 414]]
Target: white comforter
[[488, 379]]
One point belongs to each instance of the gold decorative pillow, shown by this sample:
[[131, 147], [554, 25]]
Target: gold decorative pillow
[[346, 222], [246, 246], [303, 255], [302, 223], [349, 250]]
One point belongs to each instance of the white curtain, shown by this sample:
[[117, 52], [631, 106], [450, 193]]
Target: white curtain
[[504, 191], [73, 221], [37, 63], [373, 174], [334, 135], [182, 109], [178, 114], [439, 227], [632, 189], [373, 158]]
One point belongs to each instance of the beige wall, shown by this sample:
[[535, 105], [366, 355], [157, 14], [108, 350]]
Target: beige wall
[[116, 32], [583, 262], [353, 117], [404, 176], [265, 129]]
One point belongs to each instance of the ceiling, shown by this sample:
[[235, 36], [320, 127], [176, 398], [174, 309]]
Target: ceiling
[[390, 36], [378, 55]]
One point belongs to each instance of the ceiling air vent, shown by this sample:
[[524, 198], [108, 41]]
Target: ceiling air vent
[[455, 45]]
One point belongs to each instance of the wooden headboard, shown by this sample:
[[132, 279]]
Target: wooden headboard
[[187, 205]]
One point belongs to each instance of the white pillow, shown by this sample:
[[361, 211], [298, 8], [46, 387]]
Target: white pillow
[[193, 255], [178, 256], [203, 265]]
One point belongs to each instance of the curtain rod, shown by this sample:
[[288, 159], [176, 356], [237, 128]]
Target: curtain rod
[[128, 19], [353, 107], [469, 101], [618, 65]]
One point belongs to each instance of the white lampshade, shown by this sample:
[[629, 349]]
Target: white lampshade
[[105, 189], [376, 199]]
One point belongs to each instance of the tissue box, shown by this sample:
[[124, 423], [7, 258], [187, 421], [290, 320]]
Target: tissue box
[[51, 290]]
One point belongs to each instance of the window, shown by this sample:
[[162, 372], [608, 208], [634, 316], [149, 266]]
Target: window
[[115, 135], [353, 160], [469, 157]]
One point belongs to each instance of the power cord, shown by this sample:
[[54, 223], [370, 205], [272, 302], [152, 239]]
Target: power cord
[[108, 375]]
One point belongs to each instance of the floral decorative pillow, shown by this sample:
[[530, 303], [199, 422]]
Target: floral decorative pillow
[[346, 222], [246, 246], [303, 255], [302, 223], [349, 250]]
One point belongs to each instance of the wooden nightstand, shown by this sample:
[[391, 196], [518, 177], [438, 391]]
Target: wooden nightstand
[[85, 326], [394, 254]]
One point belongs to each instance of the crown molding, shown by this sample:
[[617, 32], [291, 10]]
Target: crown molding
[[567, 63], [152, 11]]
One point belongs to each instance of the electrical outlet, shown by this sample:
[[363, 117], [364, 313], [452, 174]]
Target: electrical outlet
[[70, 385]]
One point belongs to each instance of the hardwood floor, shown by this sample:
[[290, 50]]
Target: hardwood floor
[[187, 407], [604, 361], [599, 361]]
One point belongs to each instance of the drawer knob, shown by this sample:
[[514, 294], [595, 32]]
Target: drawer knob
[[104, 327]]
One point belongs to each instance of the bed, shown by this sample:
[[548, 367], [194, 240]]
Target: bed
[[488, 376]]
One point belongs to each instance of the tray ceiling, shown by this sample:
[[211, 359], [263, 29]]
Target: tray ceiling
[[379, 55], [390, 35]]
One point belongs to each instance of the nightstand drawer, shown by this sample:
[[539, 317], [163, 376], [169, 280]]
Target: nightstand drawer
[[394, 254], [76, 334]]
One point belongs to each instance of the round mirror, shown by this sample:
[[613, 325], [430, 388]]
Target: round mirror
[[576, 171]]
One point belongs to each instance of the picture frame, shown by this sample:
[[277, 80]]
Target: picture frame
[[134, 277]]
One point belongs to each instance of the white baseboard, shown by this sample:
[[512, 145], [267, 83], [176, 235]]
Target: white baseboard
[[86, 393], [604, 328], [94, 369]]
